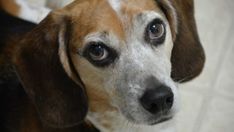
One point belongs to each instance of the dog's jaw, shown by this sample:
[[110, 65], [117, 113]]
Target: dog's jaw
[[113, 121]]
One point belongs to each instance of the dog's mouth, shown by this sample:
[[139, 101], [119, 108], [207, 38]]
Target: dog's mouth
[[149, 119], [162, 120]]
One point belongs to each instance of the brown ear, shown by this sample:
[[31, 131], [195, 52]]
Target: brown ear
[[187, 55], [60, 101]]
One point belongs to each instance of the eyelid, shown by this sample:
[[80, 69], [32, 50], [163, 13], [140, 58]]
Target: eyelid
[[148, 16], [156, 20], [87, 44]]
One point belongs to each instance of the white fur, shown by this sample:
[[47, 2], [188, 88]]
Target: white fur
[[115, 4], [120, 124]]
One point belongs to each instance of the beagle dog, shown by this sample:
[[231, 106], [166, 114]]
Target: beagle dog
[[109, 64]]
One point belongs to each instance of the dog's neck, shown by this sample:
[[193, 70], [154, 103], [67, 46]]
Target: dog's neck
[[111, 120]]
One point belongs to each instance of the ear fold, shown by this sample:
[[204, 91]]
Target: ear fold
[[60, 101], [187, 55]]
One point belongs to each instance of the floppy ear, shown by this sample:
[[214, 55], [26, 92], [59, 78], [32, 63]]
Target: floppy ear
[[187, 55], [59, 100]]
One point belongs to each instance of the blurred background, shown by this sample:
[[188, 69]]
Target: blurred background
[[208, 101]]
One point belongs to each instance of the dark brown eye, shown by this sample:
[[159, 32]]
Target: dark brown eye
[[155, 31], [98, 52]]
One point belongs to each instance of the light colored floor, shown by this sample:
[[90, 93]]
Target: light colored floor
[[208, 101]]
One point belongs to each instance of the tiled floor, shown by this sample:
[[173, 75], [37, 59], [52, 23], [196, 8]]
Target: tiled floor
[[208, 101]]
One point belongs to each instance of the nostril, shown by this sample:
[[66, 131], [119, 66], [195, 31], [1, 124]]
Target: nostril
[[154, 108], [169, 101]]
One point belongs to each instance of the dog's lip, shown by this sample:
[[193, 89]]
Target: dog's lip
[[162, 120]]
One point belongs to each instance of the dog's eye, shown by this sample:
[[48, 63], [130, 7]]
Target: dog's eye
[[99, 54], [155, 31]]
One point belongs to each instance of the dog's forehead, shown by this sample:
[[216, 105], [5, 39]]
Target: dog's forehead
[[131, 7], [109, 16]]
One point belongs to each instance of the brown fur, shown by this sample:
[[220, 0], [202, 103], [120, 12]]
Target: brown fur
[[87, 17], [187, 56], [53, 100], [10, 6], [87, 14]]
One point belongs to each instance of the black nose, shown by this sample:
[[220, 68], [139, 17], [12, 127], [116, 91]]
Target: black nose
[[159, 99]]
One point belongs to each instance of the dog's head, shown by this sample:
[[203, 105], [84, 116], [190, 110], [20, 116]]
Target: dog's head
[[124, 54]]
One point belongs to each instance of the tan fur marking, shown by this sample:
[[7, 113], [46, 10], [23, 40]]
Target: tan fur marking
[[99, 101], [10, 6], [93, 16]]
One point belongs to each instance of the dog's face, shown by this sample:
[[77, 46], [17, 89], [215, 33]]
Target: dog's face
[[122, 55], [125, 54]]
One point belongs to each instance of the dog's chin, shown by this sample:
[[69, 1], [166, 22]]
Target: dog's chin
[[151, 120]]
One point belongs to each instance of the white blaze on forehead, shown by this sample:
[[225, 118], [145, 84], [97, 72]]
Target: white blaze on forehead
[[115, 4]]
